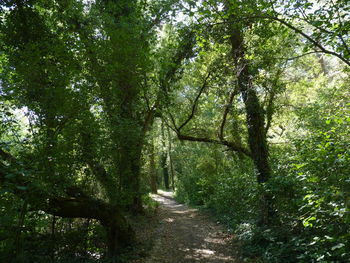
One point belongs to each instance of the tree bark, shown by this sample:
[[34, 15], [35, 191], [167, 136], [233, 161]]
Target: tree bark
[[255, 120], [165, 170], [129, 171], [152, 166]]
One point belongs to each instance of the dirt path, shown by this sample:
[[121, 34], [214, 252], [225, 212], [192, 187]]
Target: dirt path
[[186, 235]]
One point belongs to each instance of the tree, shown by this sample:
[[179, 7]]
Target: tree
[[64, 67], [233, 31], [43, 75]]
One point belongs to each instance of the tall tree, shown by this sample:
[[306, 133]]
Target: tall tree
[[80, 70], [226, 27]]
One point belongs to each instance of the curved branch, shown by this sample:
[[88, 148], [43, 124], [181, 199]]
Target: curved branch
[[194, 106], [270, 106], [231, 145], [226, 111]]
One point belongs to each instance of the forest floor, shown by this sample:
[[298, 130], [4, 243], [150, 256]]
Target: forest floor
[[179, 234]]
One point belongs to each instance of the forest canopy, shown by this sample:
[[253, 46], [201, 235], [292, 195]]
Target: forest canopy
[[239, 107]]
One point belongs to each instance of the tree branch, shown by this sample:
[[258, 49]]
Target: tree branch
[[270, 106], [194, 106], [226, 111], [231, 145], [300, 32], [302, 55]]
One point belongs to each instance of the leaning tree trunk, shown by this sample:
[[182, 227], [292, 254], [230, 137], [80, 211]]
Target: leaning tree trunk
[[255, 121], [257, 142], [81, 205]]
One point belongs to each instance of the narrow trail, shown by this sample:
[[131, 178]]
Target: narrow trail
[[186, 235]]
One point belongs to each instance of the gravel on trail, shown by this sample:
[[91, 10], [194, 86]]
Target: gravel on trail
[[184, 234]]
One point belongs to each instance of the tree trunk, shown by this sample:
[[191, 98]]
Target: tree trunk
[[152, 168], [164, 161], [171, 161], [130, 141], [255, 121], [258, 146], [129, 172], [119, 234], [165, 170], [118, 230]]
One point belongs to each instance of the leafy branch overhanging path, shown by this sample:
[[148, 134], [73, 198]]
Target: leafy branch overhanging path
[[186, 235]]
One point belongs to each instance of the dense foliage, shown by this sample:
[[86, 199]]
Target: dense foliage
[[241, 107]]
